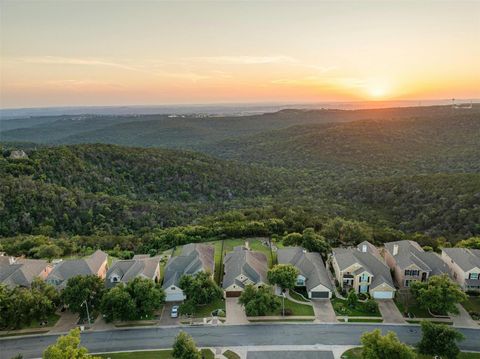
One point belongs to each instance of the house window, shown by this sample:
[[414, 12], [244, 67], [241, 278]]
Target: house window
[[114, 279], [364, 278], [412, 272], [172, 288], [473, 276], [300, 281]]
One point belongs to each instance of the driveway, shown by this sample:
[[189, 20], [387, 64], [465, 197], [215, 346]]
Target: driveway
[[324, 312], [235, 312], [166, 319], [463, 319], [389, 311], [67, 321]]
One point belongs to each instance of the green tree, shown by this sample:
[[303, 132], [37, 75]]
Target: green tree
[[352, 298], [147, 295], [184, 347], [200, 288], [439, 339], [117, 304], [310, 240], [48, 251], [472, 242], [371, 306], [342, 231], [439, 294], [83, 288], [376, 346], [259, 301], [283, 275], [67, 346]]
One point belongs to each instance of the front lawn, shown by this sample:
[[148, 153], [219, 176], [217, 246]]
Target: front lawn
[[472, 305], [356, 353], [341, 308], [51, 320], [151, 354], [202, 311], [298, 297], [294, 309], [413, 308]]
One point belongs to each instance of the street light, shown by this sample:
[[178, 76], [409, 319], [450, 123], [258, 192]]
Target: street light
[[86, 306], [283, 304]]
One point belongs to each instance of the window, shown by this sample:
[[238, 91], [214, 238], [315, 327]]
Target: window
[[473, 276], [172, 288], [412, 272], [364, 278]]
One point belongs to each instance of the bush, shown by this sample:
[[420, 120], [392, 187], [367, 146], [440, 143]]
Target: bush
[[371, 306], [473, 293]]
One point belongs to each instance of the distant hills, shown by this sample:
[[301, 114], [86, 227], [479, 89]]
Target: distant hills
[[414, 169]]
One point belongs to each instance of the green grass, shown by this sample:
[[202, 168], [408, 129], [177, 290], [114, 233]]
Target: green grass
[[256, 245], [231, 355], [206, 310], [472, 305], [297, 296], [357, 320], [414, 309], [51, 319], [341, 308], [433, 321], [356, 353], [296, 309], [153, 354]]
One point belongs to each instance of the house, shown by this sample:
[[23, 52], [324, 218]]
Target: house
[[94, 264], [123, 271], [363, 270], [409, 262], [243, 267], [21, 272], [464, 265], [194, 258], [312, 272]]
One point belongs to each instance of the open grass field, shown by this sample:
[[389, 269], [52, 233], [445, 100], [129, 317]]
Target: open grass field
[[202, 311], [295, 308], [51, 320]]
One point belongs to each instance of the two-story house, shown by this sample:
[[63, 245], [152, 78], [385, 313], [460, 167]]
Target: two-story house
[[410, 262], [123, 271], [243, 267], [363, 270], [194, 258], [95, 264], [312, 272], [464, 264]]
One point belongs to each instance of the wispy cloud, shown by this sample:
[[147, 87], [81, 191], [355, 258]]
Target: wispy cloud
[[56, 60], [245, 60]]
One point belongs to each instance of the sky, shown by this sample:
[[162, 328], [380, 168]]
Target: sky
[[72, 53]]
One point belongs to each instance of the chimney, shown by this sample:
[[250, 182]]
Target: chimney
[[395, 249]]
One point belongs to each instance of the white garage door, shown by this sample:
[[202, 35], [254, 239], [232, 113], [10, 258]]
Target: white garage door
[[383, 295], [174, 297]]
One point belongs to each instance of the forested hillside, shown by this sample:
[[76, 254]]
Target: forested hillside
[[402, 172]]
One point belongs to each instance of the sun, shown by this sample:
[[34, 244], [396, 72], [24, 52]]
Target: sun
[[377, 92]]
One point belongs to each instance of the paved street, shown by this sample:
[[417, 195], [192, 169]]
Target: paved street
[[225, 336], [389, 311], [324, 312]]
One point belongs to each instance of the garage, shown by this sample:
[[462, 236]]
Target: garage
[[382, 294], [233, 293], [174, 297], [320, 295]]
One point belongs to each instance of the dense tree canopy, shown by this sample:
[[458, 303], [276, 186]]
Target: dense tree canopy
[[200, 288], [259, 301], [283, 275], [184, 347], [68, 346], [82, 291], [376, 346], [439, 339]]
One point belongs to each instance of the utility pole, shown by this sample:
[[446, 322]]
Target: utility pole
[[88, 314], [283, 304]]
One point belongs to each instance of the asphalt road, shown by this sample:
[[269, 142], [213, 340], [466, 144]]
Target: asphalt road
[[231, 335]]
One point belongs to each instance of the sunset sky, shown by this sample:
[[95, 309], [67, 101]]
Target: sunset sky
[[57, 53]]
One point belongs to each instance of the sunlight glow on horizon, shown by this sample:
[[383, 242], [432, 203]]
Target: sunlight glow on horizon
[[141, 53]]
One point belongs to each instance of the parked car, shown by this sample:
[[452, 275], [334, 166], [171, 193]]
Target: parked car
[[174, 312]]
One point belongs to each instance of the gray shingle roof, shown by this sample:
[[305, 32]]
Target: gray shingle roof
[[465, 258], [22, 272], [72, 267], [140, 265], [195, 257], [310, 265], [370, 260], [410, 252], [252, 265]]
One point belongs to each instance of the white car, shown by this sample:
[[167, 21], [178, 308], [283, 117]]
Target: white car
[[174, 312]]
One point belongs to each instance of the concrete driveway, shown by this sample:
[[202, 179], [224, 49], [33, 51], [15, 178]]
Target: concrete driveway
[[166, 319], [324, 312], [235, 312], [389, 311], [463, 319], [67, 321]]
